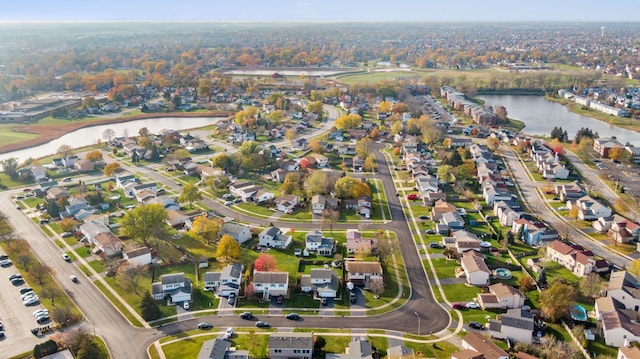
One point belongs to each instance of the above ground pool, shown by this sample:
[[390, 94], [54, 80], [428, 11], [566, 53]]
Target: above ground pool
[[503, 273], [578, 313]]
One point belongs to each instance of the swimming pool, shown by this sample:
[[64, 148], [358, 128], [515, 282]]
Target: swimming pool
[[503, 273]]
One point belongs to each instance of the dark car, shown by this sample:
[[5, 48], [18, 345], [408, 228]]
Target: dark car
[[262, 324], [14, 276], [205, 325], [436, 245], [280, 299], [17, 281], [424, 216], [476, 325], [26, 290], [458, 306], [292, 316], [324, 301], [246, 315]]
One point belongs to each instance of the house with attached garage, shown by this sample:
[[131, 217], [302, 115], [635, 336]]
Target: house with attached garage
[[174, 286], [575, 258], [476, 346], [290, 345], [516, 325], [287, 203], [270, 284], [94, 226], [501, 296], [138, 256], [273, 237], [361, 273], [107, 243], [324, 282], [589, 209], [226, 281], [475, 269]]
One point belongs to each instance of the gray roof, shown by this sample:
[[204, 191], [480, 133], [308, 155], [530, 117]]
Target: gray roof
[[172, 278], [212, 276], [400, 351], [270, 277], [213, 349], [291, 340], [319, 273], [271, 231], [232, 271], [518, 318]]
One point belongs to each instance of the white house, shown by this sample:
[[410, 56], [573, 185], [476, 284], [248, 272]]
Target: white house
[[475, 269], [138, 256], [516, 324], [316, 242], [589, 208], [625, 288], [290, 345], [273, 237], [361, 273], [322, 281], [108, 243], [321, 160], [578, 261], [174, 286], [226, 281], [501, 296], [239, 232], [287, 203], [262, 195], [476, 343], [270, 284]]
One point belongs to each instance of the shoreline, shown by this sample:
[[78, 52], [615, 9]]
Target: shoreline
[[48, 133]]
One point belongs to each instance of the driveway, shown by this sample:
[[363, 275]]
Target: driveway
[[360, 305]]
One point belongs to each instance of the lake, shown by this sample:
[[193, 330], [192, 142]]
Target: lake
[[90, 135], [541, 116]]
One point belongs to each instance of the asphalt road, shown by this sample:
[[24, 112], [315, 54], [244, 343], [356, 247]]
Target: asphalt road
[[532, 198]]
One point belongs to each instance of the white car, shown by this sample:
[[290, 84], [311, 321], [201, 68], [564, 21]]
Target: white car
[[562, 208], [40, 312], [472, 305]]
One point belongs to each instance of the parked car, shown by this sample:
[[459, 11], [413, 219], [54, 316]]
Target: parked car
[[430, 231], [324, 301], [246, 315], [424, 216], [292, 316], [14, 276], [228, 334], [185, 305], [352, 297], [26, 290], [412, 197], [436, 245], [232, 299], [476, 325], [5, 263], [280, 299], [228, 203], [458, 305], [205, 325], [472, 305], [66, 234], [261, 324]]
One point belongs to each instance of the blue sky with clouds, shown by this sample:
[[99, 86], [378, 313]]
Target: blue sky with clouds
[[321, 10]]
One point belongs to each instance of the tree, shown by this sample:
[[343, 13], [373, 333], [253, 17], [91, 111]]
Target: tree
[[130, 275], [190, 193], [65, 151], [316, 183], [93, 156], [349, 187], [50, 292], [206, 229], [108, 135], [493, 144], [316, 146], [62, 315], [319, 343], [25, 260], [89, 349], [591, 285], [362, 251], [222, 161], [363, 147], [383, 247], [541, 278], [526, 283], [556, 300], [369, 164], [445, 173], [385, 106], [634, 267], [10, 166], [501, 112], [291, 183], [68, 224], [265, 263], [290, 135], [315, 107], [330, 217], [149, 308], [144, 222], [204, 88], [228, 247], [41, 273], [573, 212], [44, 349], [348, 122], [111, 168], [376, 285]]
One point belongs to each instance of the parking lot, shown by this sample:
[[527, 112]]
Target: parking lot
[[17, 319]]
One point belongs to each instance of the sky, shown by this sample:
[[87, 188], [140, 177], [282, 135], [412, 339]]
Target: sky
[[320, 10]]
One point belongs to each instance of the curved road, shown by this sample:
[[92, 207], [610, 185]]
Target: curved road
[[126, 341]]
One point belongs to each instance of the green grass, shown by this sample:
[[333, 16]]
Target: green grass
[[117, 304], [255, 210], [460, 292], [444, 268], [194, 247], [186, 348], [433, 350], [7, 136], [153, 352]]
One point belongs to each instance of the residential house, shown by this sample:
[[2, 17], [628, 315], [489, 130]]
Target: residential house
[[220, 349], [462, 241], [501, 296], [628, 353], [323, 282], [356, 243], [316, 242], [176, 218], [618, 228], [357, 163], [287, 203], [140, 256], [589, 208], [507, 212], [475, 269], [240, 232], [476, 342], [174, 286], [441, 207], [107, 243], [36, 172], [619, 325], [321, 160], [273, 237], [452, 220], [400, 352], [579, 261], [226, 281], [515, 324], [244, 190], [568, 192], [318, 203], [77, 208], [357, 349], [427, 184], [270, 284], [279, 175], [55, 193], [290, 345], [91, 228], [624, 288], [361, 273], [492, 192]]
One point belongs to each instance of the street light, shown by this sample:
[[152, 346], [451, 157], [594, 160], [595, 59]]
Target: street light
[[418, 315]]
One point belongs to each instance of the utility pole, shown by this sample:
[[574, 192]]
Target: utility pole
[[418, 315]]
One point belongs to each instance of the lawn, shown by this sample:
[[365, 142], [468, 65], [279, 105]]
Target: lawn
[[259, 211], [193, 246], [434, 350], [444, 268], [460, 292], [186, 348]]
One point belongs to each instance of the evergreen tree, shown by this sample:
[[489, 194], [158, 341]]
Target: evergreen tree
[[149, 308], [542, 278], [53, 209], [89, 349]]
